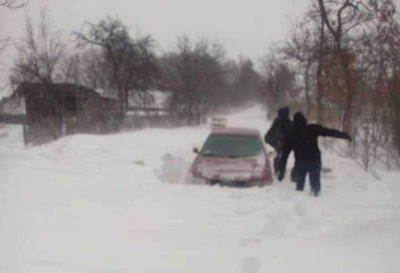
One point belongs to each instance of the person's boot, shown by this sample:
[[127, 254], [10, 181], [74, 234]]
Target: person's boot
[[294, 175], [314, 193]]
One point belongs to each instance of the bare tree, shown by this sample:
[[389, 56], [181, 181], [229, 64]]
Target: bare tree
[[94, 71], [244, 83], [379, 58], [132, 62], [10, 4], [39, 52], [4, 43], [140, 68], [340, 17], [279, 81], [302, 49], [13, 4], [195, 74], [70, 69], [314, 49], [113, 38]]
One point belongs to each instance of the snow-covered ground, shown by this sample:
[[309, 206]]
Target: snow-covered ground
[[118, 203]]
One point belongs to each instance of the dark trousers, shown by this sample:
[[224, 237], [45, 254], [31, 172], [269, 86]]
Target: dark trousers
[[277, 160], [314, 172], [294, 174], [276, 165]]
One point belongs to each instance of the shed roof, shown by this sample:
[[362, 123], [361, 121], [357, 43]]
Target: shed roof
[[57, 89]]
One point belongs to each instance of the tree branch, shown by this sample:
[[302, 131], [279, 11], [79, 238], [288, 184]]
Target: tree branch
[[325, 18], [13, 4], [4, 43]]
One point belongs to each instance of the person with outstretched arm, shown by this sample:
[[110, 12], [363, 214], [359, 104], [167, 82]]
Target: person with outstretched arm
[[307, 153]]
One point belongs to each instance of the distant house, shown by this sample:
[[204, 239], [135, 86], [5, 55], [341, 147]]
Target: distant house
[[49, 111], [148, 109]]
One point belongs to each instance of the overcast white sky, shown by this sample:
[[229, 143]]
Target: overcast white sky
[[243, 27]]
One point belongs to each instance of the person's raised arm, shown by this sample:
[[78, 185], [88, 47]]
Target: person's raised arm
[[323, 131]]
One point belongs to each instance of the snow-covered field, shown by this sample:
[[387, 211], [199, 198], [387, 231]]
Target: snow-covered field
[[118, 203]]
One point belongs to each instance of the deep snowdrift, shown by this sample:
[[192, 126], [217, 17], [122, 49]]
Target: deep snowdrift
[[118, 203]]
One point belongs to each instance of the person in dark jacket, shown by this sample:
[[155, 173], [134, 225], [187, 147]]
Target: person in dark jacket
[[289, 145], [304, 142], [277, 134]]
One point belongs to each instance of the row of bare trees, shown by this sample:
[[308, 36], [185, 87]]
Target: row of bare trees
[[340, 66], [197, 75], [105, 57], [345, 54]]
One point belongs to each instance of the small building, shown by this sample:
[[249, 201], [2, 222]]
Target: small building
[[49, 111], [148, 109]]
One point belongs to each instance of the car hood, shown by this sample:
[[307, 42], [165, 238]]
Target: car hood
[[228, 168]]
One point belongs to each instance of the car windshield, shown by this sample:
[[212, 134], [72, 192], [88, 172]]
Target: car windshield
[[231, 146]]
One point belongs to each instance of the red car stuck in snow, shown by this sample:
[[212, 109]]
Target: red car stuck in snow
[[231, 157]]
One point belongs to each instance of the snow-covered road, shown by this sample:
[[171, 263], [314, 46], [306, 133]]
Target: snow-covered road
[[118, 203]]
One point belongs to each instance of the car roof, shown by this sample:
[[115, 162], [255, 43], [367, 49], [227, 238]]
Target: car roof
[[235, 131]]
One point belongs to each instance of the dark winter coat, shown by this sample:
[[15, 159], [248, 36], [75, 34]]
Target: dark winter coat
[[280, 129], [304, 141], [308, 149]]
